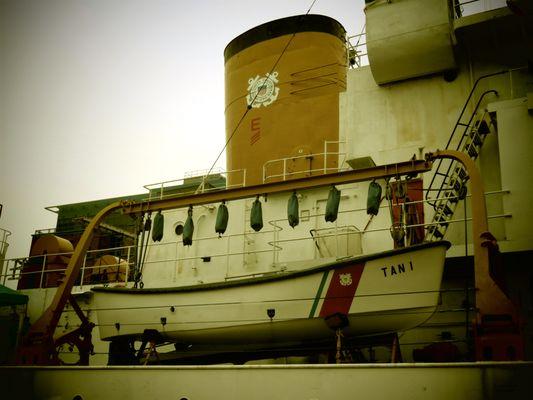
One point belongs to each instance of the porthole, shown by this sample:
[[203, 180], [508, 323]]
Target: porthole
[[178, 229]]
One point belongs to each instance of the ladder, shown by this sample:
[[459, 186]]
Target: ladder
[[448, 184]]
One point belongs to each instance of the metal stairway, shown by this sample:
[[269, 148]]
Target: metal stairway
[[448, 184]]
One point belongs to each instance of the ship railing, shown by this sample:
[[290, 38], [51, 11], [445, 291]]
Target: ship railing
[[464, 8], [44, 271], [284, 171], [196, 173], [121, 272], [356, 50], [45, 231], [278, 244], [4, 244], [209, 254], [41, 274], [76, 226], [463, 131], [164, 189], [352, 244], [351, 230], [356, 44], [4, 234], [328, 241]]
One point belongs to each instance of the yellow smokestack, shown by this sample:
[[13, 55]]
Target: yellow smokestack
[[295, 69]]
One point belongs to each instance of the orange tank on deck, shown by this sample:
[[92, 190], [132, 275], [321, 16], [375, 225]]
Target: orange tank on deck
[[49, 257]]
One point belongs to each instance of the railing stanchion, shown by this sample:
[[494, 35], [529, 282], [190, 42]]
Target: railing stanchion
[[325, 156], [83, 271], [4, 273], [128, 265], [227, 256], [42, 272]]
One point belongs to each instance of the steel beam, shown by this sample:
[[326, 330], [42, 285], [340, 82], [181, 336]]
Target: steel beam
[[412, 167]]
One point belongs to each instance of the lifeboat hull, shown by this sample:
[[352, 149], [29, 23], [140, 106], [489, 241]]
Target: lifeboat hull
[[375, 294]]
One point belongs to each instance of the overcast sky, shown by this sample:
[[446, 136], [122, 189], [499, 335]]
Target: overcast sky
[[100, 97]]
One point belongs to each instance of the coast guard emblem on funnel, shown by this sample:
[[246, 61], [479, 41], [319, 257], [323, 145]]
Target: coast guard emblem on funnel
[[262, 91], [345, 279]]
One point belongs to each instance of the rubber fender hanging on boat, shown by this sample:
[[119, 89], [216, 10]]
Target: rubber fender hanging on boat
[[332, 206], [188, 229], [374, 198], [293, 212], [159, 224], [256, 216], [222, 219]]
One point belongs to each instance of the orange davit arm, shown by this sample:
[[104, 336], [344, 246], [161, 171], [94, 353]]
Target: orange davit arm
[[38, 346], [490, 299], [498, 332]]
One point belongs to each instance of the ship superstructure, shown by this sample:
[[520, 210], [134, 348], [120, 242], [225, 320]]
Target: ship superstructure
[[301, 105]]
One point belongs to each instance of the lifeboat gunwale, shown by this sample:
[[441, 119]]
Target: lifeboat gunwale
[[275, 277]]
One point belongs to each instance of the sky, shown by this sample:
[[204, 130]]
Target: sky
[[101, 97]]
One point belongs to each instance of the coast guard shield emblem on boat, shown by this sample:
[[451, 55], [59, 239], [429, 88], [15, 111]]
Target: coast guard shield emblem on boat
[[262, 91], [345, 279]]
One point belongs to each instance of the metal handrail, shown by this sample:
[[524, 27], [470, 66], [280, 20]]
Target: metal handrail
[[237, 253], [198, 173], [466, 126], [458, 9], [324, 169], [288, 174], [4, 234], [284, 160], [274, 246], [160, 186], [201, 188], [358, 50], [4, 245], [15, 272]]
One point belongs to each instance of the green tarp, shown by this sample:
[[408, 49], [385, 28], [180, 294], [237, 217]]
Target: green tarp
[[10, 297]]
